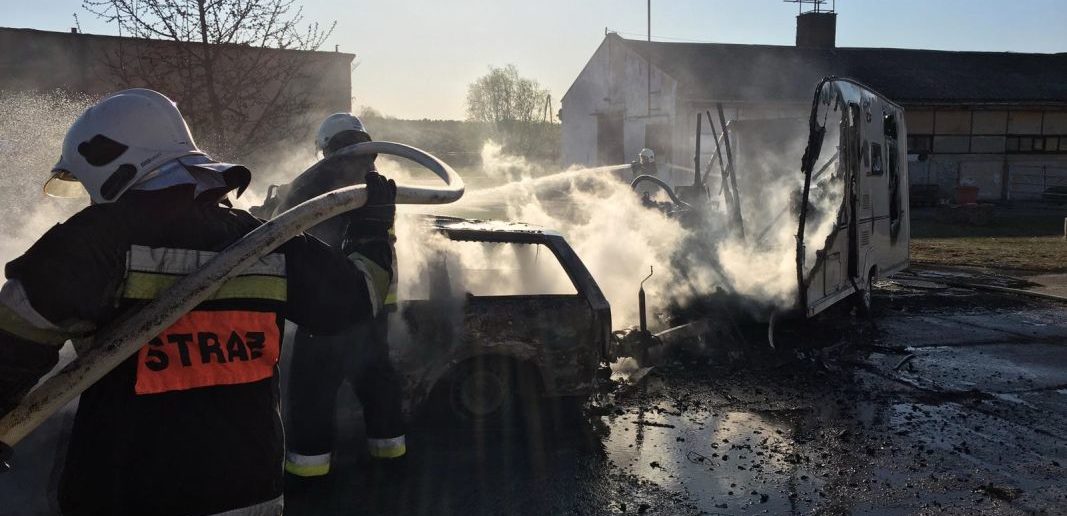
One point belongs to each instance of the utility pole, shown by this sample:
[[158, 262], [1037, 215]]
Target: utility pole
[[649, 18]]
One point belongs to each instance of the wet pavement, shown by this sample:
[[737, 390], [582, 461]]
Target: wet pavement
[[948, 401]]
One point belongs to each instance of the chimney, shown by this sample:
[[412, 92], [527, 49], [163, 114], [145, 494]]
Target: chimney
[[817, 30]]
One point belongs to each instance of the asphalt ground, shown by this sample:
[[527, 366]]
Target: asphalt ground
[[948, 401]]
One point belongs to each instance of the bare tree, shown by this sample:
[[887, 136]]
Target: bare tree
[[502, 96], [228, 63], [513, 106]]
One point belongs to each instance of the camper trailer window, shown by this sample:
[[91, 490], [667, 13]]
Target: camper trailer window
[[876, 159], [892, 160], [891, 145], [889, 122]]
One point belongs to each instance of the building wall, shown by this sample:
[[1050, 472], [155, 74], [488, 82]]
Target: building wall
[[1008, 153], [578, 109], [614, 82], [613, 88], [684, 121], [35, 60]]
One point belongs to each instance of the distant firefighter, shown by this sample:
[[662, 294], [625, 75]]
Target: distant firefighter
[[645, 164], [321, 363]]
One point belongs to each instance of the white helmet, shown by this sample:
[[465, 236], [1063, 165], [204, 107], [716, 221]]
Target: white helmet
[[335, 124], [116, 142], [647, 153]]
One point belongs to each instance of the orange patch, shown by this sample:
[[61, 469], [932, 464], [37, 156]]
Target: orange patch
[[205, 348]]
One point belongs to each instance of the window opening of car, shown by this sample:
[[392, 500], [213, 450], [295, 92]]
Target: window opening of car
[[462, 268]]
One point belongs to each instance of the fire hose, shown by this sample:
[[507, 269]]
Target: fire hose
[[663, 185], [122, 339]]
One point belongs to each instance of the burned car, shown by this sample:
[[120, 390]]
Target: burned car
[[492, 313]]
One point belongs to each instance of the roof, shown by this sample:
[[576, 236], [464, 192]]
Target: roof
[[731, 72], [457, 228]]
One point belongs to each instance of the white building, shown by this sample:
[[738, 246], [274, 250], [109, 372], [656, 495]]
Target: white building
[[994, 120]]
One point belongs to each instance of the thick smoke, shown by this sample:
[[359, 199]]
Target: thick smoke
[[618, 238], [503, 167], [31, 137], [762, 266]]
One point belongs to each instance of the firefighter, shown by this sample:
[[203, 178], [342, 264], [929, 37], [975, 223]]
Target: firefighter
[[362, 355], [645, 164], [189, 425]]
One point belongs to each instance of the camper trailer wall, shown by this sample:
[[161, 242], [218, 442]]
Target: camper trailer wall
[[872, 237]]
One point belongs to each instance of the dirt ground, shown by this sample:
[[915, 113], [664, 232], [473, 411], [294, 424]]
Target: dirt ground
[[948, 401]]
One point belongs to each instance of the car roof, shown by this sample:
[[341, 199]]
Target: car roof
[[456, 228]]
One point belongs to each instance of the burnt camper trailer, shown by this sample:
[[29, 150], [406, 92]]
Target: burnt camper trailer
[[830, 187], [868, 169], [850, 200]]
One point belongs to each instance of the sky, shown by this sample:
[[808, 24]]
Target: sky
[[416, 57]]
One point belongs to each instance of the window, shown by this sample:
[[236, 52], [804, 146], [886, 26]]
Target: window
[[952, 144], [1012, 144], [500, 269], [892, 151], [1031, 143], [876, 159], [987, 144], [920, 143]]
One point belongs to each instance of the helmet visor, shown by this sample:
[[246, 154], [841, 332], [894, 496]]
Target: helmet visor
[[64, 184]]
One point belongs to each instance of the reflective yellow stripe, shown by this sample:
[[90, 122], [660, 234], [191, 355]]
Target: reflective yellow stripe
[[390, 452], [16, 325], [307, 470], [147, 285], [391, 298], [378, 278], [388, 448], [186, 261]]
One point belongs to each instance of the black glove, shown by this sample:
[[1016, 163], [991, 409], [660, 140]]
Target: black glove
[[368, 227], [375, 218]]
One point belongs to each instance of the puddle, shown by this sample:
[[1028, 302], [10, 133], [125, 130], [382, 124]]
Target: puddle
[[725, 460]]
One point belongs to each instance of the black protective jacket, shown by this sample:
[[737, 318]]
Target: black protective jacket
[[191, 424]]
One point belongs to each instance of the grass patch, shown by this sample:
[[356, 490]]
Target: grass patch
[[1022, 238], [1037, 254]]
